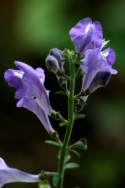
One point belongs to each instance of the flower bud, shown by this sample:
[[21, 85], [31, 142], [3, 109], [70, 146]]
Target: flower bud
[[54, 61]]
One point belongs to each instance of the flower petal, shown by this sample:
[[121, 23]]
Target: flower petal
[[97, 68], [34, 88], [86, 35], [110, 56], [101, 79], [33, 106], [14, 79], [11, 175]]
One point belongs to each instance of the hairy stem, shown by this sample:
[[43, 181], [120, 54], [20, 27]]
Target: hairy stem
[[64, 148]]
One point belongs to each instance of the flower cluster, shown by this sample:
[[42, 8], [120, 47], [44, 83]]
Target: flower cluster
[[96, 64], [87, 37]]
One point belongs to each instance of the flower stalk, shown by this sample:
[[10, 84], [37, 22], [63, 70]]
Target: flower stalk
[[64, 148]]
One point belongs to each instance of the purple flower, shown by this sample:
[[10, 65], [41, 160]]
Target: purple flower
[[11, 175], [97, 68], [30, 91], [55, 61], [86, 35]]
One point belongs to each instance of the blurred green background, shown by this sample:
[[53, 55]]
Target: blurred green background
[[28, 29]]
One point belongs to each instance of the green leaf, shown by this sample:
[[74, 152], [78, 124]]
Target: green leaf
[[51, 142], [60, 92], [71, 165], [80, 145], [67, 77], [75, 152], [57, 116], [44, 184], [56, 180], [80, 103], [64, 123], [80, 116], [67, 158]]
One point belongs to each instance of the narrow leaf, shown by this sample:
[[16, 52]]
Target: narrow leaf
[[71, 165], [75, 152], [55, 180], [60, 93], [67, 158], [44, 184], [80, 116], [64, 123], [51, 142], [81, 145]]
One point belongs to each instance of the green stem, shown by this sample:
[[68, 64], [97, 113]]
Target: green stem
[[67, 138]]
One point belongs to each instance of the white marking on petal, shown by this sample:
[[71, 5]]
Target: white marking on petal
[[2, 164], [89, 26], [19, 74], [105, 53]]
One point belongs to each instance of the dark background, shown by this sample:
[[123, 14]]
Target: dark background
[[28, 29]]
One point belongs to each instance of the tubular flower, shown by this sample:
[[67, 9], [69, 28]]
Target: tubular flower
[[30, 91], [97, 68], [86, 35], [11, 175], [55, 61]]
